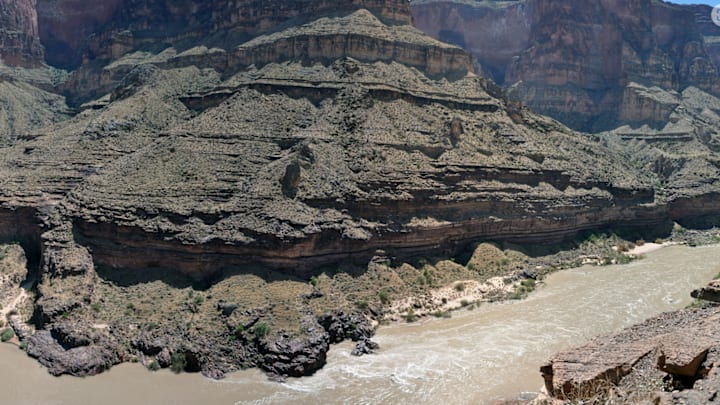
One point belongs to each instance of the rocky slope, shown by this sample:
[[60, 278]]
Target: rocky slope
[[578, 64], [27, 95], [232, 191]]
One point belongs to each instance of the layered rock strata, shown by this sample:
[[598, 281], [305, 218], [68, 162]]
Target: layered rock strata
[[576, 63], [75, 32], [228, 172], [19, 36]]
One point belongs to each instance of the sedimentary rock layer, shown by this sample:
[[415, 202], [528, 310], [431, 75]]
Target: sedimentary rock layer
[[575, 63], [19, 37], [74, 31]]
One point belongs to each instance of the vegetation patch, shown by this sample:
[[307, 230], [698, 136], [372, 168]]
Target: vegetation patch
[[6, 334]]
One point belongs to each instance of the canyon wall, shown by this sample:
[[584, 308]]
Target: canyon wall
[[19, 37], [575, 63], [75, 32], [234, 146]]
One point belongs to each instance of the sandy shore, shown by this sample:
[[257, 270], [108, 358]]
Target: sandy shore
[[452, 297], [648, 247]]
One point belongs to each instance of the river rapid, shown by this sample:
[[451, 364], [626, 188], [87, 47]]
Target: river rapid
[[479, 356]]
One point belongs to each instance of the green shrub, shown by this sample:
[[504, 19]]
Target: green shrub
[[96, 307], [178, 362], [154, 365], [460, 287], [314, 281], [7, 334], [384, 299], [410, 316], [361, 305], [428, 277], [262, 329]]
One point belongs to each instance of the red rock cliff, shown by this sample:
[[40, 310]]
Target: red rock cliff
[[19, 40], [575, 63], [75, 30]]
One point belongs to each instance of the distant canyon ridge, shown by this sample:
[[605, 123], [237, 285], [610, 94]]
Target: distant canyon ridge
[[587, 64]]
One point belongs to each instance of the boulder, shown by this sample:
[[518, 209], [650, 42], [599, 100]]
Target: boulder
[[710, 292], [78, 361]]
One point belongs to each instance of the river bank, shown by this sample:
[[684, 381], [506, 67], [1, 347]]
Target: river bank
[[259, 318], [478, 356]]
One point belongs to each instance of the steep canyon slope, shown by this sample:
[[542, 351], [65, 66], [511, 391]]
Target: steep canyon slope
[[641, 74], [213, 169]]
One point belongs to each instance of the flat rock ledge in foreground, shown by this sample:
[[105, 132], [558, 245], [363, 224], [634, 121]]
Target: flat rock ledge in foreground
[[676, 355]]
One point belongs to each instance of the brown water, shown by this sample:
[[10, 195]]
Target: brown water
[[477, 356]]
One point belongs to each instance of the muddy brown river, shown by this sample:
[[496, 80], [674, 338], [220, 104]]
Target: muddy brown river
[[479, 356]]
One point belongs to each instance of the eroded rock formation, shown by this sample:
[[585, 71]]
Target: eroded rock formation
[[577, 63], [19, 37], [672, 358], [225, 161]]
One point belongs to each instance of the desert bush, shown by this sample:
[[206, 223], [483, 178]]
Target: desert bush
[[178, 362], [383, 295], [7, 334], [410, 316], [262, 329]]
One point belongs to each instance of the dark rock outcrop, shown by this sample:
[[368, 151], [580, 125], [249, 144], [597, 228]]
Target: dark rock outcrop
[[287, 356], [83, 360], [711, 292]]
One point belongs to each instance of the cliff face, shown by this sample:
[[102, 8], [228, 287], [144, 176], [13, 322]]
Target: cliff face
[[494, 35], [230, 35], [75, 31], [575, 63], [19, 39], [709, 30]]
